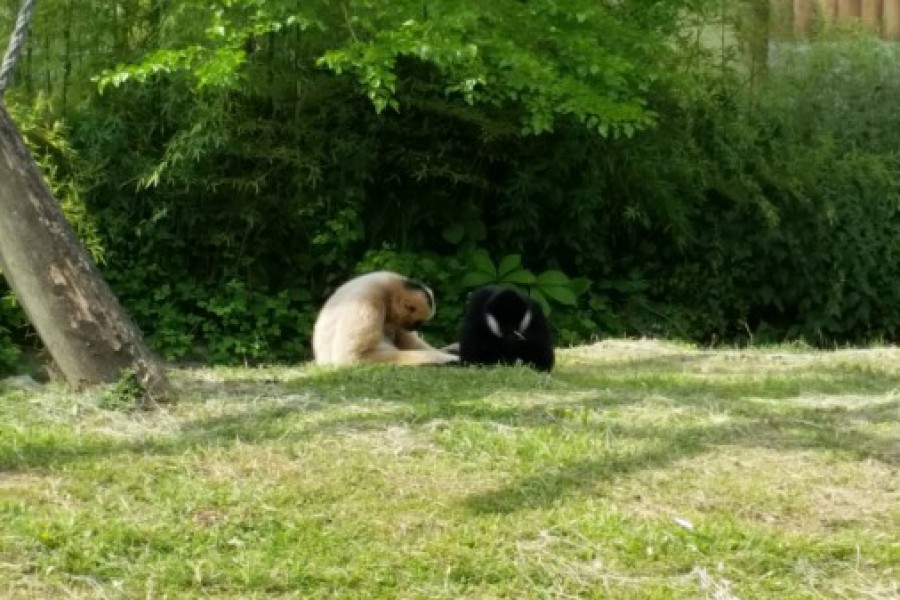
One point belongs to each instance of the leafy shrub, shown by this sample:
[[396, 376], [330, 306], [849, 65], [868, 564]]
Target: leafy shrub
[[453, 277], [10, 321], [241, 162], [796, 225]]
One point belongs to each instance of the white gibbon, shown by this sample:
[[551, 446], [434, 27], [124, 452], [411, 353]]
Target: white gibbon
[[373, 318]]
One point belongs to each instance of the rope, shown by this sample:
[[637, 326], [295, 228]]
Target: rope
[[16, 43]]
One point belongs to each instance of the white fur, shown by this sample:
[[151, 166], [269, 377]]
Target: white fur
[[352, 325], [526, 321], [493, 325]]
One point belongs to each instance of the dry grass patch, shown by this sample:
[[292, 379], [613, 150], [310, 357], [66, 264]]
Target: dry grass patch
[[800, 492]]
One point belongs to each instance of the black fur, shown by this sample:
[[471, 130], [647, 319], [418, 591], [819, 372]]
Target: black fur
[[479, 346]]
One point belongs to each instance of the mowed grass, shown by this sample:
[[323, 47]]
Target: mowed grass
[[636, 470]]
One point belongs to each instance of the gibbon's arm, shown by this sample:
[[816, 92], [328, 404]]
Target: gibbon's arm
[[409, 340], [366, 340], [386, 354], [451, 348]]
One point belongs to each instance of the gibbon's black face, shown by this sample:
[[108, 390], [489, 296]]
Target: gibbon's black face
[[507, 316]]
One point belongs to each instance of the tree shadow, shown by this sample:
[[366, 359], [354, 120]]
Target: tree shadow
[[755, 423], [759, 417], [588, 476], [272, 406]]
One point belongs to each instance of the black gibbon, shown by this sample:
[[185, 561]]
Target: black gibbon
[[503, 326], [374, 318]]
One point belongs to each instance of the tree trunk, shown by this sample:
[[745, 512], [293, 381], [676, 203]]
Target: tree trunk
[[80, 321], [891, 19], [758, 32]]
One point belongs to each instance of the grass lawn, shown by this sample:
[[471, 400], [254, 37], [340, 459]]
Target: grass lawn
[[637, 470]]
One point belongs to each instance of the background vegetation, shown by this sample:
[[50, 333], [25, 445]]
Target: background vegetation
[[228, 163]]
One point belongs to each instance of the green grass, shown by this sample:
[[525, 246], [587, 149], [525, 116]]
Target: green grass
[[637, 470]]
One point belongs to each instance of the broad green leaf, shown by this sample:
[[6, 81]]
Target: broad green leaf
[[560, 293], [482, 262], [580, 285], [540, 299], [508, 264], [521, 277], [476, 278], [553, 278]]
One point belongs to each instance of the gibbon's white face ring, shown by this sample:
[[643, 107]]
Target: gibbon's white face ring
[[526, 321], [493, 325], [433, 301]]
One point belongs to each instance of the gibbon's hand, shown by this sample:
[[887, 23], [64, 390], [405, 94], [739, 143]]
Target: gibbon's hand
[[451, 349], [448, 359]]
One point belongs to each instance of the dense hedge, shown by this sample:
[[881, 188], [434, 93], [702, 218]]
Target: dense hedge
[[697, 207]]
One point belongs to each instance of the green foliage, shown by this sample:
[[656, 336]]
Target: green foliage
[[196, 321], [550, 62], [126, 395], [246, 322], [550, 285], [796, 223], [10, 320], [230, 164], [218, 60]]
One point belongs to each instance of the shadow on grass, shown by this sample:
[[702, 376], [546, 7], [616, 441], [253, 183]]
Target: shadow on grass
[[759, 417], [402, 396], [589, 476], [297, 409], [829, 430]]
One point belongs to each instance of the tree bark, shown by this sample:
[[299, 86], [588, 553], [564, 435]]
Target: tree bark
[[80, 321], [803, 17], [870, 12], [891, 19]]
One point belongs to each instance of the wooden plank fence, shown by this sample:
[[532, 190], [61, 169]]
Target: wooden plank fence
[[801, 16]]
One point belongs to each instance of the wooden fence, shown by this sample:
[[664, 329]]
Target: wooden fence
[[800, 17]]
